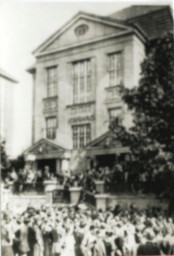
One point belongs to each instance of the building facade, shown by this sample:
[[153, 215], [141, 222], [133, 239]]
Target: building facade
[[75, 87], [6, 109]]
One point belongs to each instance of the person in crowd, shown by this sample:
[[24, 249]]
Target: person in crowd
[[46, 174], [7, 237], [30, 179], [13, 175], [39, 181], [51, 230]]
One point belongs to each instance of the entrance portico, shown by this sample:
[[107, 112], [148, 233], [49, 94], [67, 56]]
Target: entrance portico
[[105, 151], [46, 153]]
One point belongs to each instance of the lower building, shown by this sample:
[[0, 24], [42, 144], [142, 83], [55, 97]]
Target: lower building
[[6, 109]]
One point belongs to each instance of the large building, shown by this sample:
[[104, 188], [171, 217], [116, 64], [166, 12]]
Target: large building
[[6, 109], [75, 85]]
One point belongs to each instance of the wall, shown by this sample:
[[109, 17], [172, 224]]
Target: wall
[[141, 201], [98, 52]]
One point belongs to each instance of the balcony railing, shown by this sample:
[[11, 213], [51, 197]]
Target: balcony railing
[[81, 109], [50, 104], [81, 112]]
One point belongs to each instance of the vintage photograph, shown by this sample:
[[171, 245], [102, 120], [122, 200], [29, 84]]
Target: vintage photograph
[[86, 128]]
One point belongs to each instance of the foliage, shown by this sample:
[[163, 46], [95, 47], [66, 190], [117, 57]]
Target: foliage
[[151, 138], [18, 163], [4, 161]]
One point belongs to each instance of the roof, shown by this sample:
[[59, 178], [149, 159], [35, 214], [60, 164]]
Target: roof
[[150, 20], [43, 141], [135, 11], [99, 18], [32, 68], [6, 76], [153, 20]]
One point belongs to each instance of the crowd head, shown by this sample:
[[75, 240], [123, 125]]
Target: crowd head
[[54, 230]]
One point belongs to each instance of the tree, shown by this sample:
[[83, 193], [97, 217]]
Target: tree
[[4, 161], [151, 138], [18, 163]]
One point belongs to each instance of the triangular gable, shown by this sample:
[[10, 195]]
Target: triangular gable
[[108, 139], [66, 33], [44, 146]]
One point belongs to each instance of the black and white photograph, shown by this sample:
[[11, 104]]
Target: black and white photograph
[[86, 128]]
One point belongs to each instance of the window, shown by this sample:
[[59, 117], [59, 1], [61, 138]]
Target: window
[[81, 81], [51, 126], [115, 113], [81, 30], [115, 69], [81, 135], [51, 81]]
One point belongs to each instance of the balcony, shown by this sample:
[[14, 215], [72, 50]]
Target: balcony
[[112, 94], [50, 105], [81, 112]]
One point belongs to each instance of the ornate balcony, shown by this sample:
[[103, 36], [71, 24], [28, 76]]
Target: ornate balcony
[[50, 104], [112, 94], [81, 112]]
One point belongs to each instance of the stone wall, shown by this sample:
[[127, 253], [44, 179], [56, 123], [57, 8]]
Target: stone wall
[[142, 201]]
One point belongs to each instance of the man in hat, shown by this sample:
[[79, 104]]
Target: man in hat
[[23, 238], [150, 247]]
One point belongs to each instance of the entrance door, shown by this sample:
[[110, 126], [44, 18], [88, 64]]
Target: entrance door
[[47, 162], [106, 160]]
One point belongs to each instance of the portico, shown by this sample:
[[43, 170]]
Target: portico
[[105, 151], [46, 153]]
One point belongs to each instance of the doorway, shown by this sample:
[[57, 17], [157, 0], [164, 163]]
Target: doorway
[[47, 162], [106, 160]]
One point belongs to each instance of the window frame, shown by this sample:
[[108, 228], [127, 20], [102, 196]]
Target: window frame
[[55, 83], [83, 135], [119, 117], [82, 93], [52, 128], [114, 70]]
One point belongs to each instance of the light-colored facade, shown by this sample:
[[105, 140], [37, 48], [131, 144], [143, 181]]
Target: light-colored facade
[[75, 90], [6, 109]]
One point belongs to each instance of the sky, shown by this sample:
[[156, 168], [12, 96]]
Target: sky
[[23, 27]]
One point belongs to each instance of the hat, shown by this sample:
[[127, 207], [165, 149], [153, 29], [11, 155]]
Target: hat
[[149, 234]]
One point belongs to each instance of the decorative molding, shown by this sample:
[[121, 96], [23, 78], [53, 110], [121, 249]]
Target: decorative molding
[[72, 21], [112, 93], [81, 109], [82, 119], [86, 42], [81, 29], [50, 104]]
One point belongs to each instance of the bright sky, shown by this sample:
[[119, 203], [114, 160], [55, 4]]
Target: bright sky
[[24, 26]]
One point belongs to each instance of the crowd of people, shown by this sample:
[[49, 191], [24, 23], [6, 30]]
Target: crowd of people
[[116, 180], [82, 231], [26, 179]]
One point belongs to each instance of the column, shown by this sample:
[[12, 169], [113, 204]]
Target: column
[[58, 166], [65, 166], [101, 201]]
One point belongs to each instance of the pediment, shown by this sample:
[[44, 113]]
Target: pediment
[[107, 140], [44, 146], [81, 28]]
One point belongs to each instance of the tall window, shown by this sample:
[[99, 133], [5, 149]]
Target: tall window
[[115, 69], [115, 113], [51, 126], [51, 81], [81, 81], [81, 135]]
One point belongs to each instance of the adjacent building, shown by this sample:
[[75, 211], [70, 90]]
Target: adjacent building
[[6, 109], [75, 85]]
